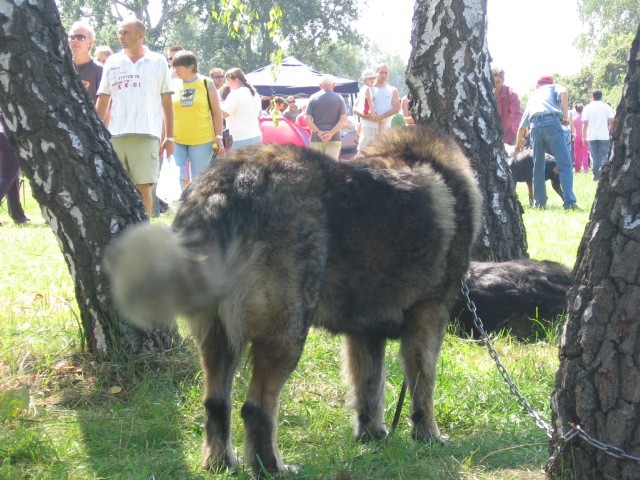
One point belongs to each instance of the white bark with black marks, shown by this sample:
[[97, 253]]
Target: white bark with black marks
[[450, 82]]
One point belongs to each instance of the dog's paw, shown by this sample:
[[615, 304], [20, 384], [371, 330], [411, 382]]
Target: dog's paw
[[213, 461], [429, 435], [371, 433]]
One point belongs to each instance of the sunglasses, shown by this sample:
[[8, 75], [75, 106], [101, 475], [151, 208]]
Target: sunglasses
[[291, 101], [78, 36], [217, 76]]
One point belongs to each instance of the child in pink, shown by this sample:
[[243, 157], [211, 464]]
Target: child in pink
[[580, 149]]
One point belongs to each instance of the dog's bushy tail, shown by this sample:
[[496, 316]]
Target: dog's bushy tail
[[153, 279]]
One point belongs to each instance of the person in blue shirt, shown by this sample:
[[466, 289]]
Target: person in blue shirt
[[547, 111]]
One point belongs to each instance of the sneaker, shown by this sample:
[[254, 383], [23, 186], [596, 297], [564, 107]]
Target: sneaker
[[573, 206]]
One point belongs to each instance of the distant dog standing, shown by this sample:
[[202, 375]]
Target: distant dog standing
[[509, 295], [273, 239], [522, 171]]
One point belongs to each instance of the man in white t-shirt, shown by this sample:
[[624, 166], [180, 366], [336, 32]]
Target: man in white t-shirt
[[597, 119], [136, 89]]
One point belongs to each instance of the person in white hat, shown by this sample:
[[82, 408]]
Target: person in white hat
[[366, 108]]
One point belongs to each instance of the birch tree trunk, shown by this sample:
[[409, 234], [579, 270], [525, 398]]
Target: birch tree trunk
[[74, 174], [450, 82], [598, 381]]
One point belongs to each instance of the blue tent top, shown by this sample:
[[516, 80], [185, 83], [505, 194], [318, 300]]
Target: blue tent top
[[293, 78]]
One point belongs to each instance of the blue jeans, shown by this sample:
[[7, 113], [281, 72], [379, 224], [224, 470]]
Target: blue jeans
[[599, 150], [199, 155], [547, 134], [246, 142]]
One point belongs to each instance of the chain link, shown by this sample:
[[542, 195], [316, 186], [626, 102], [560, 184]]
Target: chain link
[[543, 425], [575, 431]]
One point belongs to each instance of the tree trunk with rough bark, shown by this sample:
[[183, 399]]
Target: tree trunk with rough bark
[[598, 381], [85, 193], [450, 82]]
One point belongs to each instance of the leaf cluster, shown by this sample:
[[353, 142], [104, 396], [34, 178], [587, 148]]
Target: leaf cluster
[[611, 27], [236, 33]]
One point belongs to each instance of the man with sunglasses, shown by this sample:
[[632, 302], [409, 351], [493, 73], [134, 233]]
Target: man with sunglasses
[[81, 37], [292, 110], [217, 75], [136, 84]]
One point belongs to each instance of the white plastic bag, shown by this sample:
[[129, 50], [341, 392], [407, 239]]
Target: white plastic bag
[[169, 189]]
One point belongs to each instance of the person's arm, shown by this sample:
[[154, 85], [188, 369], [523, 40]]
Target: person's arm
[[406, 113], [515, 110], [216, 117], [564, 100], [314, 128], [358, 107], [168, 143], [328, 135], [520, 139], [585, 128], [102, 107]]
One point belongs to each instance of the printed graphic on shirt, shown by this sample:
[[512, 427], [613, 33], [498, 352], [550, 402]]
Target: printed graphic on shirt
[[187, 96]]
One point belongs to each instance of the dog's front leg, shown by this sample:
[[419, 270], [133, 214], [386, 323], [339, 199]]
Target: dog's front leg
[[420, 346], [364, 368]]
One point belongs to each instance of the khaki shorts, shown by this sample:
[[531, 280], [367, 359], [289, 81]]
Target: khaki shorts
[[331, 148], [140, 156]]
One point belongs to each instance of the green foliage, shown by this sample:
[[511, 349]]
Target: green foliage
[[13, 403], [607, 17], [611, 27], [231, 33], [606, 72]]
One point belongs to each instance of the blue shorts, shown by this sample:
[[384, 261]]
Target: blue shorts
[[199, 155]]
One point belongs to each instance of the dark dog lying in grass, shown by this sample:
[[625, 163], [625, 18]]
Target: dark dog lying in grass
[[522, 170], [518, 295]]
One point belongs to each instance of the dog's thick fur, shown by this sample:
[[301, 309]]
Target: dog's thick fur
[[522, 170], [510, 295], [274, 239]]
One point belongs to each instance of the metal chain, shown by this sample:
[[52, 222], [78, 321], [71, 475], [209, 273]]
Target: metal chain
[[503, 371], [575, 431]]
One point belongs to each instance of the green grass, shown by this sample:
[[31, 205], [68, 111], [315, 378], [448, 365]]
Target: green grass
[[92, 420]]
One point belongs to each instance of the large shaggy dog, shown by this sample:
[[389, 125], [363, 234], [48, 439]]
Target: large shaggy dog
[[517, 295], [274, 239]]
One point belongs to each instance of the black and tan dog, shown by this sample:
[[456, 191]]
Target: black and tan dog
[[273, 239], [514, 295], [522, 170]]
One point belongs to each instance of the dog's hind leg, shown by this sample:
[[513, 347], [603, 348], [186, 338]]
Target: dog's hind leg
[[364, 368], [530, 188], [219, 362], [274, 358], [420, 346]]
